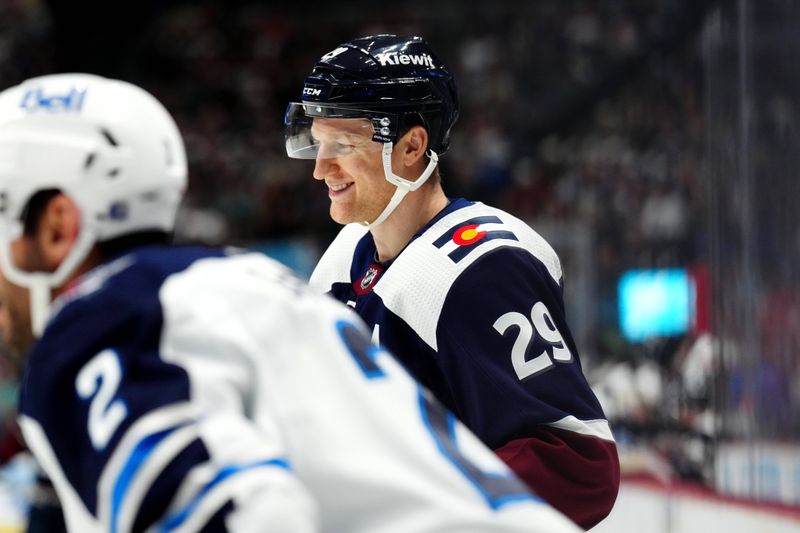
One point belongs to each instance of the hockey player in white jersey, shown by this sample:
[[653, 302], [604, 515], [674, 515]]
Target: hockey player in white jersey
[[197, 390]]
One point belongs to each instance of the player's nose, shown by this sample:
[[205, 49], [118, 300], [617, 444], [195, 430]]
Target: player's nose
[[325, 167]]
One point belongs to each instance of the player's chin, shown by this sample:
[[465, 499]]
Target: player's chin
[[341, 214]]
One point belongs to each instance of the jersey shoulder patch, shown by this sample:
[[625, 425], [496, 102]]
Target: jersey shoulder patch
[[469, 233], [334, 265], [417, 284]]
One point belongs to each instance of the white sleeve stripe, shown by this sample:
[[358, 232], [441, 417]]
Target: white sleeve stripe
[[593, 428], [153, 422], [77, 516], [212, 496], [113, 480], [147, 460]]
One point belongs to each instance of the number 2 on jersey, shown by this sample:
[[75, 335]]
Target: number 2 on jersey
[[541, 324], [98, 381]]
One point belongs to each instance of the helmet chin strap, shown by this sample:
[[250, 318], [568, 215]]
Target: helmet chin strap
[[41, 284], [403, 186], [40, 293]]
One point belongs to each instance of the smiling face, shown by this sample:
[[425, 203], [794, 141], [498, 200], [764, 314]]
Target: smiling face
[[350, 163]]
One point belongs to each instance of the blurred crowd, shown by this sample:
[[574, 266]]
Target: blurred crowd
[[572, 111]]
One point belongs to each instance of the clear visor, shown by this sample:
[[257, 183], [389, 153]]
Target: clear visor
[[318, 131]]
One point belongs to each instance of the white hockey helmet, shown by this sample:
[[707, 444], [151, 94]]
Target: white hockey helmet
[[108, 145]]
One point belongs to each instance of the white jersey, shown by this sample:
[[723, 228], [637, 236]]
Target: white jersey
[[181, 390]]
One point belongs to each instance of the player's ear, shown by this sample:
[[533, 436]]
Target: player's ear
[[415, 144], [57, 230]]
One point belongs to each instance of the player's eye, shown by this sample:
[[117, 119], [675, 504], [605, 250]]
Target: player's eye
[[340, 147], [345, 147]]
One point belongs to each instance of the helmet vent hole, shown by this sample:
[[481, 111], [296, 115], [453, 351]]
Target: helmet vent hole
[[89, 160], [113, 173], [110, 138]]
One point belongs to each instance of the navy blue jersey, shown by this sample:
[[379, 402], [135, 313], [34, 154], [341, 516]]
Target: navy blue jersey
[[176, 389], [106, 338], [473, 307]]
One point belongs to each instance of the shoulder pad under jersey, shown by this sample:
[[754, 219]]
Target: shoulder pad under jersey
[[417, 284]]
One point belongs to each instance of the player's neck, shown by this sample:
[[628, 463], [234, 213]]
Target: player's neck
[[416, 210], [92, 260]]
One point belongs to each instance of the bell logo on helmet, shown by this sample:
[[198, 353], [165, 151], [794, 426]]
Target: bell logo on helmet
[[393, 58], [35, 99]]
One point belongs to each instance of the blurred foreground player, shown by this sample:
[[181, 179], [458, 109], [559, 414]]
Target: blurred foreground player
[[44, 514], [184, 389], [468, 297]]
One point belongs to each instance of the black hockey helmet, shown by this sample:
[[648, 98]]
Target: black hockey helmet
[[393, 81]]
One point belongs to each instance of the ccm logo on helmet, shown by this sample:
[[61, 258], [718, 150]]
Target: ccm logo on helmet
[[310, 91], [393, 58]]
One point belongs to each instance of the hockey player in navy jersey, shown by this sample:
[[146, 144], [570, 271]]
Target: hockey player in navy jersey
[[468, 297], [189, 389]]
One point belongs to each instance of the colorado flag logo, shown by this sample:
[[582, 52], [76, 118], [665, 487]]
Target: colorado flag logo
[[460, 240]]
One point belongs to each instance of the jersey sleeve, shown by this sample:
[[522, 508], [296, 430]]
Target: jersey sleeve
[[131, 444], [516, 379]]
